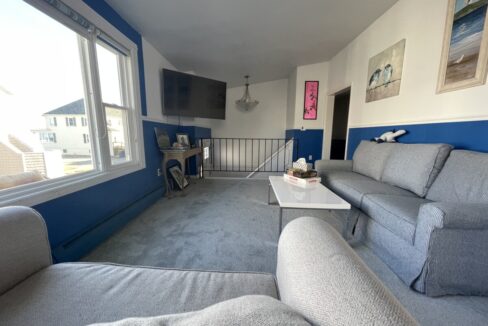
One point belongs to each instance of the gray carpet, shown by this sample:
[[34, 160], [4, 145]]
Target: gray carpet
[[227, 225]]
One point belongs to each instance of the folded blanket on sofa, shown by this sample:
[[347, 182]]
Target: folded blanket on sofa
[[245, 310]]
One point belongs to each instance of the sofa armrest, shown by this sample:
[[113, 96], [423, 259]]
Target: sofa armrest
[[24, 246], [454, 215], [320, 276], [452, 237], [324, 166]]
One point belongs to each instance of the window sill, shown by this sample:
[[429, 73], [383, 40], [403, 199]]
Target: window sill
[[40, 192]]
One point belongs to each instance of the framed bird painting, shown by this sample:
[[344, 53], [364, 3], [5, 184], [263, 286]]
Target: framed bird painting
[[385, 72]]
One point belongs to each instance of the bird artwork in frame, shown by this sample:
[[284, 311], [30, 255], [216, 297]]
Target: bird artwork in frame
[[311, 96], [385, 73]]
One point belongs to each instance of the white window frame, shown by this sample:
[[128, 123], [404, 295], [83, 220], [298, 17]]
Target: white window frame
[[39, 192]]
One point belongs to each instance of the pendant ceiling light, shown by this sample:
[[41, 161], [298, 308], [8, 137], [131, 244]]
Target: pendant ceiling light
[[246, 102]]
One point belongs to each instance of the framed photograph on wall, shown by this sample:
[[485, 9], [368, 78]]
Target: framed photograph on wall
[[465, 51], [311, 97], [178, 177]]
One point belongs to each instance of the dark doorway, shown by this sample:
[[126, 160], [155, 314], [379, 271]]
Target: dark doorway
[[339, 125]]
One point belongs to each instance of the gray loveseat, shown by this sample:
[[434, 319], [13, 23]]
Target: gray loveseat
[[320, 280], [423, 208]]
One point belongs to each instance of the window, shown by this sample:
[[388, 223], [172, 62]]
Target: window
[[86, 73], [70, 122], [47, 137], [52, 122]]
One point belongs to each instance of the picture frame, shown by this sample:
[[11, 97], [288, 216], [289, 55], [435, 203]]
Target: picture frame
[[310, 100], [465, 47], [385, 73], [183, 139], [178, 177], [162, 138]]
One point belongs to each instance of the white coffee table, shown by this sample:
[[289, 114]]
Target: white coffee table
[[294, 197]]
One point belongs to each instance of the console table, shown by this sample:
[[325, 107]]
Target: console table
[[179, 155]]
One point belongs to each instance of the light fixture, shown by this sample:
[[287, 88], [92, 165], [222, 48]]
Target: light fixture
[[246, 102]]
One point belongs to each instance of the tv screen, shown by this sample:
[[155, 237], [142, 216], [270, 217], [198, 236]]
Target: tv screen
[[192, 96]]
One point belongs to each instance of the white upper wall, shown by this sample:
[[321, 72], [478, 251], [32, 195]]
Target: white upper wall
[[318, 72], [267, 120], [153, 63], [422, 24]]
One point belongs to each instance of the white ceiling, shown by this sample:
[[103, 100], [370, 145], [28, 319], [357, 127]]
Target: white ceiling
[[226, 39]]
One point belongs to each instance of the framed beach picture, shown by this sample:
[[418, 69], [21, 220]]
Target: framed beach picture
[[311, 97], [465, 52], [385, 72]]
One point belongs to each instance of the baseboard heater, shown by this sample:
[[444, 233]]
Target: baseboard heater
[[73, 241]]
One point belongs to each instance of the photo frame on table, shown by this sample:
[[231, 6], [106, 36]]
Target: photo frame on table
[[183, 139], [178, 177], [311, 96], [465, 50]]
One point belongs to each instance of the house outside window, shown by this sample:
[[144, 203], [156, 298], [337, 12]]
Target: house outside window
[[89, 71]]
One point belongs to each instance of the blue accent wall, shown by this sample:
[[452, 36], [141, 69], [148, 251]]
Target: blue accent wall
[[471, 135], [78, 222], [309, 142], [195, 134]]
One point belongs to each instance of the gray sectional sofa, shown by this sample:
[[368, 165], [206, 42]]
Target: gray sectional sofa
[[320, 281], [422, 208]]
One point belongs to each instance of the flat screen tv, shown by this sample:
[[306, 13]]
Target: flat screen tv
[[192, 96]]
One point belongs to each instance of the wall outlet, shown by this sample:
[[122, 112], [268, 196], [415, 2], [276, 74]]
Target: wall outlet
[[310, 157], [158, 172]]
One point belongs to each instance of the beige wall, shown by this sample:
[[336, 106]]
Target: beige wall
[[11, 162], [267, 120], [421, 23]]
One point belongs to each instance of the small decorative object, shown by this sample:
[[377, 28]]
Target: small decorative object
[[301, 169], [247, 102], [385, 73], [389, 136], [465, 52], [301, 164], [162, 138], [178, 177], [183, 139], [311, 97]]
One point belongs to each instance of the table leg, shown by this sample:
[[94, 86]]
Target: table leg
[[281, 221], [269, 193], [165, 176]]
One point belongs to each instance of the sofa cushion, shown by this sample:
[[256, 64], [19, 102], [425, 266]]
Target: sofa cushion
[[82, 293], [415, 166], [370, 158], [464, 178], [246, 310], [396, 213], [352, 187]]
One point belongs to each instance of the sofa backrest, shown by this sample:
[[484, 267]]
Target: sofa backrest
[[320, 276], [370, 158], [24, 247], [414, 167], [464, 178]]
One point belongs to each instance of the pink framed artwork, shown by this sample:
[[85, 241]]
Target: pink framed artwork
[[310, 105]]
